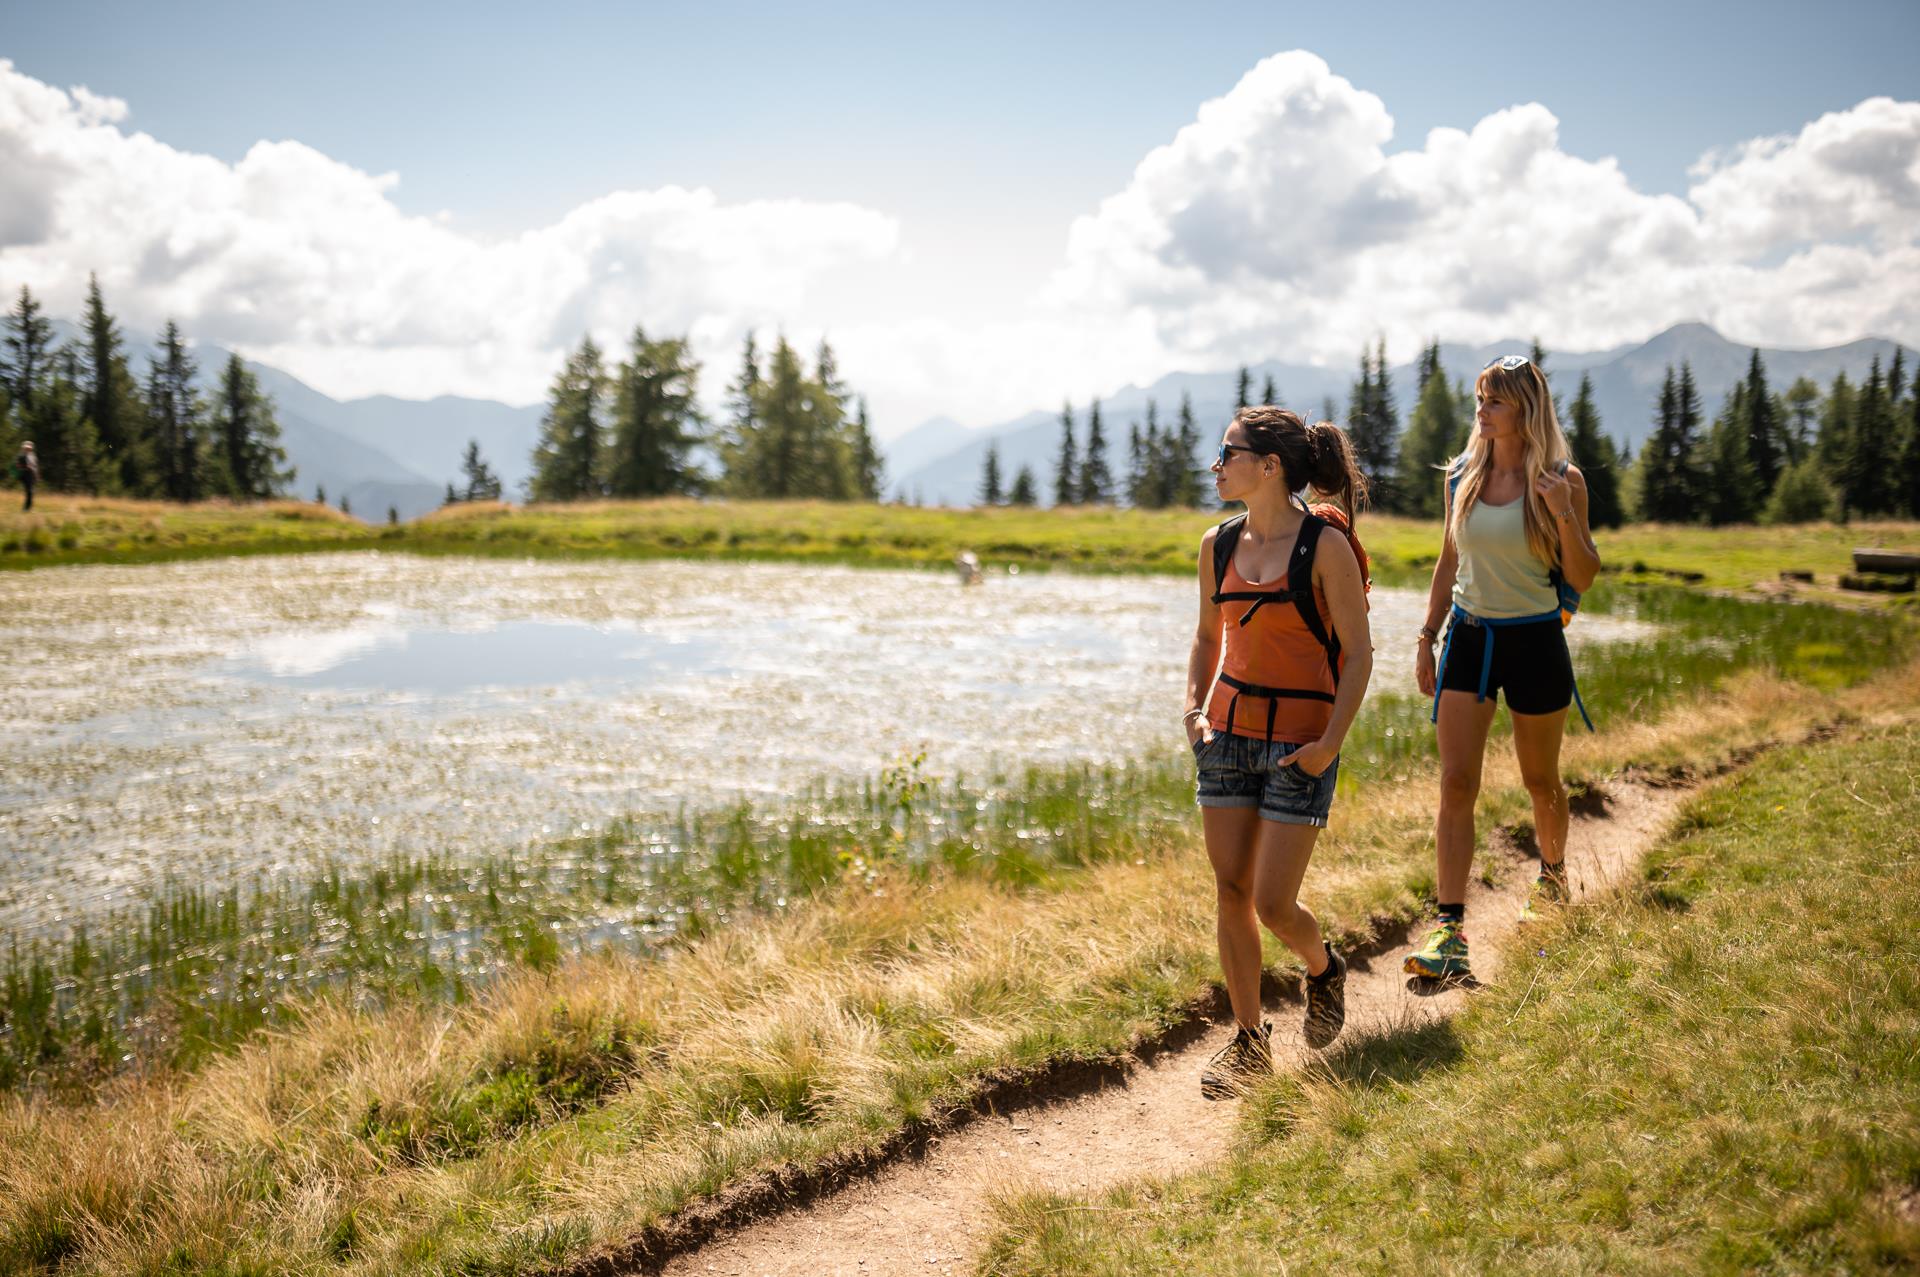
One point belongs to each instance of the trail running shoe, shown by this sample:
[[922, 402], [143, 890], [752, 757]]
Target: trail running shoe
[[1327, 1003], [1443, 955], [1241, 1063], [1549, 891]]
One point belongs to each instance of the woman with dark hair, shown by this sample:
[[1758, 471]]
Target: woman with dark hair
[[1516, 520], [1283, 596]]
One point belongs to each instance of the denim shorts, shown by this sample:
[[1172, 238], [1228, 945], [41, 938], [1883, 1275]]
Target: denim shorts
[[1241, 771]]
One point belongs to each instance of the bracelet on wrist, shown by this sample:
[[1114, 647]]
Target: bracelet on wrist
[[1193, 713]]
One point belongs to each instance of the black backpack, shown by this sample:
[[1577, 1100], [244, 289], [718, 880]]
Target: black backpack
[[1299, 589]]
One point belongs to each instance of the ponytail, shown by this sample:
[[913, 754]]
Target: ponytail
[[1317, 456]]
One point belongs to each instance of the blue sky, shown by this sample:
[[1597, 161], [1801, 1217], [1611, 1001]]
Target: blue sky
[[982, 130]]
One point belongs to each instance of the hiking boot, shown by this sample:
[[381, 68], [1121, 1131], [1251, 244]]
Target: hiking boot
[[1240, 1064], [1443, 955], [1548, 893], [1327, 1002]]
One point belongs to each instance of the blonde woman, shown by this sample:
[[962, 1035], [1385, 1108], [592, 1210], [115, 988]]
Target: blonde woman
[[1516, 525]]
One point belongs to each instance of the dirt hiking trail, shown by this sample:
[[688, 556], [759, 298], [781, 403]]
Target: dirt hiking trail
[[928, 1212]]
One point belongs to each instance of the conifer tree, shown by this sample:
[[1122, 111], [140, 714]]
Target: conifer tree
[[346, 506], [452, 497], [868, 466], [1909, 457], [1597, 458], [568, 458], [29, 349], [742, 424], [1766, 450], [1897, 376], [1834, 441], [656, 420], [482, 483], [393, 516], [1185, 479], [1136, 466], [1096, 478], [1066, 469], [250, 464], [1269, 393], [1427, 445], [176, 418], [63, 436], [1801, 496], [1670, 480], [1867, 481], [990, 493], [1373, 424], [110, 399], [1797, 413], [1243, 389], [319, 494], [1024, 491], [1733, 492]]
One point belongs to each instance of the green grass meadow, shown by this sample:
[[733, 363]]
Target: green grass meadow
[[1718, 1071]]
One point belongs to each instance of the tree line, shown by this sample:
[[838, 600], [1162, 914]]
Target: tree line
[[100, 429], [636, 429], [1776, 456]]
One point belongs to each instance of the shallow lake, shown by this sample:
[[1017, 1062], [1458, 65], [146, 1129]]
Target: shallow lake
[[200, 722]]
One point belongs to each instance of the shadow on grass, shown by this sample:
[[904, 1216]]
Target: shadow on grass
[[1371, 1062]]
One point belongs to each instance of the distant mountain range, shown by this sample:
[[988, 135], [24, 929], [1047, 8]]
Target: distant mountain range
[[944, 462], [382, 452]]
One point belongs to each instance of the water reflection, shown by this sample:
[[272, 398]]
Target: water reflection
[[205, 721]]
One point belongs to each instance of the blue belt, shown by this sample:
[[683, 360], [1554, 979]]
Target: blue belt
[[1490, 624]]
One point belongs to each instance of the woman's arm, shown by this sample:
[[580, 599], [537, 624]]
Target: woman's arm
[[1439, 597], [1337, 572], [1203, 662], [1567, 503]]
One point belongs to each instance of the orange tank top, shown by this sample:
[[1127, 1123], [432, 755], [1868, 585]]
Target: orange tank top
[[1274, 650]]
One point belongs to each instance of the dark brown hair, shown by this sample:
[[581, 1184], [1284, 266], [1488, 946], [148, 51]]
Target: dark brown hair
[[1317, 456]]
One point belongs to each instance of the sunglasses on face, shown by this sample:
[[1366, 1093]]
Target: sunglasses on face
[[1228, 449], [1507, 363]]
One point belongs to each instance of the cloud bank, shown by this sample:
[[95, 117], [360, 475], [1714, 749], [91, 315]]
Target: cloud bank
[[1278, 224]]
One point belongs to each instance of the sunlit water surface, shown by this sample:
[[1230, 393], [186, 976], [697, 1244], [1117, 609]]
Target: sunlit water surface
[[201, 722]]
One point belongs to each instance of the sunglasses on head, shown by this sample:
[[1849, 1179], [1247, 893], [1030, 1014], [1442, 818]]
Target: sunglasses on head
[[1507, 363]]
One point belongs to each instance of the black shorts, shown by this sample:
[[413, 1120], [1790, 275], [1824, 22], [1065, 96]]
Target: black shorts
[[1530, 664]]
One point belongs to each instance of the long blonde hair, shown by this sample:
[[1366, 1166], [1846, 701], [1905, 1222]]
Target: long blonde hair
[[1545, 446]]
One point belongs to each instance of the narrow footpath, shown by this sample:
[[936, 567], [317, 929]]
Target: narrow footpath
[[930, 1214]]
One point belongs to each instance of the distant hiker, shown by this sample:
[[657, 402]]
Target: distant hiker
[[26, 468], [1285, 587], [967, 565], [1516, 528]]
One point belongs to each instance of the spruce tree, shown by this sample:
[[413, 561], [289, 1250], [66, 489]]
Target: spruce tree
[[1733, 492], [1136, 466], [1897, 376], [319, 494], [656, 420], [868, 466], [176, 418], [1066, 470], [568, 456], [1766, 450], [1909, 465], [1024, 491], [1670, 482], [1867, 480], [111, 400], [739, 438], [990, 493], [452, 497], [63, 436], [1242, 389], [1373, 426], [1187, 489], [1096, 478], [1834, 441], [482, 483], [29, 346], [346, 506], [251, 465], [1797, 412], [1428, 443], [1269, 393], [1597, 458], [393, 516]]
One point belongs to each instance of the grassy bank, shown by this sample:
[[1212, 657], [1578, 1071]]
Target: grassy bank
[[193, 970], [561, 1109], [1716, 1072], [79, 530]]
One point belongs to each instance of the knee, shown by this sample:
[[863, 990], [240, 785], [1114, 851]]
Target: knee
[[1284, 920], [1232, 897], [1546, 788], [1459, 788]]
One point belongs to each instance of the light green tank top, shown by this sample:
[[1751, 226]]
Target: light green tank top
[[1498, 575]]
